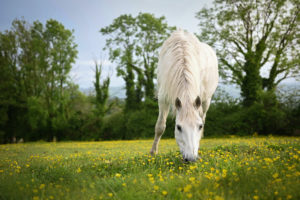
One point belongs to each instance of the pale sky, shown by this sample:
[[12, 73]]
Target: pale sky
[[89, 16]]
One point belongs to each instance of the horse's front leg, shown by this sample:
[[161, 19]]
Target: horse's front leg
[[205, 107], [160, 126]]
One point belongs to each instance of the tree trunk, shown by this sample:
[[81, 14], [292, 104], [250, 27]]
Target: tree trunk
[[252, 84]]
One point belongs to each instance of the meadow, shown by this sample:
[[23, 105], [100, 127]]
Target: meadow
[[229, 168]]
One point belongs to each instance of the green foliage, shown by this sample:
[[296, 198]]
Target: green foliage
[[102, 91], [290, 103], [136, 124], [35, 61], [38, 101], [37, 116], [224, 116], [252, 37], [133, 45], [267, 117], [114, 127], [227, 116], [140, 123], [80, 115]]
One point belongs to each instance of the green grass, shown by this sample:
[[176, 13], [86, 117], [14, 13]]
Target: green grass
[[229, 168]]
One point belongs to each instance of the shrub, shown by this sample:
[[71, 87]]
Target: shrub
[[141, 123], [114, 127]]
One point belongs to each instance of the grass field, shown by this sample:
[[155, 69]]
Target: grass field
[[229, 168]]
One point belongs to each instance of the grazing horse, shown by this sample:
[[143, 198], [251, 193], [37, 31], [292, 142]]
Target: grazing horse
[[187, 77]]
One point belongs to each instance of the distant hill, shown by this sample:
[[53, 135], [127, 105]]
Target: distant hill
[[232, 90], [113, 91]]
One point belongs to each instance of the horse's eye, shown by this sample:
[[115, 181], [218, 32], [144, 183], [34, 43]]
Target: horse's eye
[[200, 127], [179, 128]]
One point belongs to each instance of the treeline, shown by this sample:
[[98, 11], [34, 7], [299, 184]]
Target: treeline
[[39, 101], [36, 93]]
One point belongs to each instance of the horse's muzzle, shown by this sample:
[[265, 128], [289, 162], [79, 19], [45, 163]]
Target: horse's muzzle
[[189, 159]]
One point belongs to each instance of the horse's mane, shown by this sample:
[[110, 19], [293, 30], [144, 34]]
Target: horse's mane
[[178, 69]]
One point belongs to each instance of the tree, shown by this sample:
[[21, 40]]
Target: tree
[[102, 91], [133, 45], [60, 55], [12, 89], [152, 33], [100, 101], [35, 61], [253, 37], [120, 47]]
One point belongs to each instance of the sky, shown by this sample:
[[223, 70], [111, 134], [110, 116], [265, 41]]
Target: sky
[[87, 17]]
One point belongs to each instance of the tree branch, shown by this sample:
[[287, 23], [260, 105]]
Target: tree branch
[[234, 71], [281, 79], [265, 60], [281, 46], [239, 47]]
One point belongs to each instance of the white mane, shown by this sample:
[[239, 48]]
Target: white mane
[[178, 69]]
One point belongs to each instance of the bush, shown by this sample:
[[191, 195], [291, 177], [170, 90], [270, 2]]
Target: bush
[[114, 127], [266, 117], [224, 116], [141, 123], [137, 124]]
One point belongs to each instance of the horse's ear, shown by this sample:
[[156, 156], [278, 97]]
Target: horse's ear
[[197, 102], [178, 103]]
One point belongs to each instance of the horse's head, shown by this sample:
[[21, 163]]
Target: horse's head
[[188, 127]]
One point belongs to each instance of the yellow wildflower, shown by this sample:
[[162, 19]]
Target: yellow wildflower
[[255, 197], [219, 198], [192, 179], [193, 167], [275, 175], [42, 186], [187, 188]]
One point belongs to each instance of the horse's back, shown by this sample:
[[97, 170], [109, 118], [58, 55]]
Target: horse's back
[[184, 50], [209, 74]]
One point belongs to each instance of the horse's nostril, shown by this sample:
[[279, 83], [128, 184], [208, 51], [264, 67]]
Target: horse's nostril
[[189, 159]]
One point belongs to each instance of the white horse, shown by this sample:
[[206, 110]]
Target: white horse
[[187, 77]]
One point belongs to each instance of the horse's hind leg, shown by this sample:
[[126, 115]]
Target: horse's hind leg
[[160, 125]]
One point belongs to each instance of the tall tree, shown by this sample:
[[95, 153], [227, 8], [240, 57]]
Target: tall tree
[[257, 42], [121, 51], [35, 61], [9, 90], [133, 45], [102, 90], [152, 32], [61, 54], [100, 101]]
